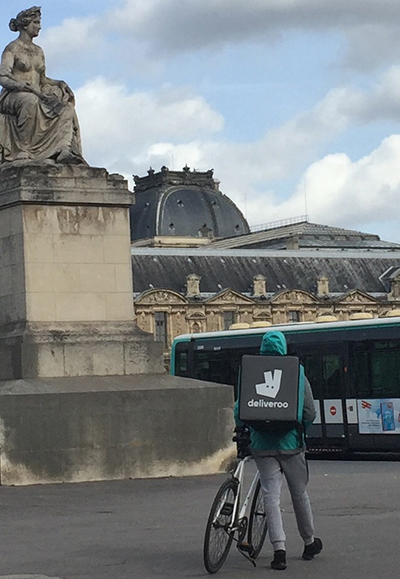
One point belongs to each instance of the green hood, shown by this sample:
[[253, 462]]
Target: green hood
[[273, 344]]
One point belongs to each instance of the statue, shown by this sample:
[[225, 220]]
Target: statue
[[37, 114]]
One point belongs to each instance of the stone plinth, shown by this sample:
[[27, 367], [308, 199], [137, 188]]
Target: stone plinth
[[66, 304], [103, 428]]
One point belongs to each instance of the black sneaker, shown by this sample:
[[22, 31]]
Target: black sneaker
[[311, 550], [279, 560]]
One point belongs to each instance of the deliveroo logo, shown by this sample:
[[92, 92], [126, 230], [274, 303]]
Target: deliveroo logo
[[271, 385]]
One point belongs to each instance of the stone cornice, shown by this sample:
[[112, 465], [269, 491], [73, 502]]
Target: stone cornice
[[48, 183], [173, 178]]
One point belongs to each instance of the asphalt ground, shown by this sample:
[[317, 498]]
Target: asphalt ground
[[154, 528]]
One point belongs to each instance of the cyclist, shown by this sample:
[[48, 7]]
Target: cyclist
[[279, 452]]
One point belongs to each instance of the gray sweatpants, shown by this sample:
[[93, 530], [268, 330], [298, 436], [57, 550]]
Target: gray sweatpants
[[272, 469]]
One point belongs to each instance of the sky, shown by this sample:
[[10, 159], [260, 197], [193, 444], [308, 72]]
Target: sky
[[295, 104]]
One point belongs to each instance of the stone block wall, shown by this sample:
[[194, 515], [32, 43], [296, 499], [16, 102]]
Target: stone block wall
[[76, 263], [12, 279], [104, 428]]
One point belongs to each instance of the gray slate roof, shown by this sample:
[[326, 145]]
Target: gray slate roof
[[183, 203], [308, 235], [163, 268]]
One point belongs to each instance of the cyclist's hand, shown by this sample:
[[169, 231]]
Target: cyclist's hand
[[242, 439], [241, 432]]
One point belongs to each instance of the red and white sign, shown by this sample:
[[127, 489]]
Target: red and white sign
[[333, 411]]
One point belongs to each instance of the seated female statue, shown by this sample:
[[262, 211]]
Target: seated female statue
[[37, 114]]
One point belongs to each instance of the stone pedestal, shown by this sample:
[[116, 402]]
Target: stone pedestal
[[66, 304]]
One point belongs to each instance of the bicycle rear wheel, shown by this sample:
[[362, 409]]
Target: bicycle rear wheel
[[218, 537], [257, 522]]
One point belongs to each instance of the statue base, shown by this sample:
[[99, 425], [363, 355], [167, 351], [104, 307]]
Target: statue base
[[66, 303], [49, 350]]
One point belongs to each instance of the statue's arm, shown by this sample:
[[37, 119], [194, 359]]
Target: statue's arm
[[7, 79], [66, 90], [47, 81]]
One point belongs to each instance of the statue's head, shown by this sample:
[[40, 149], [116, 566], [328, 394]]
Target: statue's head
[[23, 19]]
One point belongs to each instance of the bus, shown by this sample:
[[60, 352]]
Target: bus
[[353, 368]]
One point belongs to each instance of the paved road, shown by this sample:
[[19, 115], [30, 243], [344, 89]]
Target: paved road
[[154, 528]]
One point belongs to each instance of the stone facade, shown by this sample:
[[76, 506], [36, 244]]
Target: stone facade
[[291, 271], [193, 313]]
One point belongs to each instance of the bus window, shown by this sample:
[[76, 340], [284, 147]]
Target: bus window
[[359, 371], [331, 364], [213, 367], [312, 365], [181, 368], [324, 373], [385, 372], [220, 366], [375, 369]]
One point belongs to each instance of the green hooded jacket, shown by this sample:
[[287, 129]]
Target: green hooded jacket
[[291, 441]]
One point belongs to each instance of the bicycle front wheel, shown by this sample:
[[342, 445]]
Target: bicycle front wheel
[[257, 522], [218, 538]]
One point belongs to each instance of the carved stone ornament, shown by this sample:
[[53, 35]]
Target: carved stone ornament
[[228, 297], [37, 114], [196, 316], [167, 178], [196, 327], [294, 296], [395, 287], [193, 285], [262, 315], [323, 286], [259, 285], [160, 297], [356, 296]]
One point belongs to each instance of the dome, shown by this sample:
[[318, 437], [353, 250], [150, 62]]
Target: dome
[[183, 204]]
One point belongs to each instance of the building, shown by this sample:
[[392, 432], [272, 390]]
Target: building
[[187, 281], [182, 208]]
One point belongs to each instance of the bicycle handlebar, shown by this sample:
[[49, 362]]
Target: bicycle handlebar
[[242, 439]]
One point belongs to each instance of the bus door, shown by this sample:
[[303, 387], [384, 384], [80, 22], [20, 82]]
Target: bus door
[[324, 366]]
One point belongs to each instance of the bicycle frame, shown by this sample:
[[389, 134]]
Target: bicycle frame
[[239, 475]]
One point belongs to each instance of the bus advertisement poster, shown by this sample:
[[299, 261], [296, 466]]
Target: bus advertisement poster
[[379, 416]]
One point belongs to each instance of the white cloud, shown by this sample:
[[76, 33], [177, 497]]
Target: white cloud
[[170, 123], [339, 191], [72, 40], [371, 44], [119, 125], [296, 142], [164, 27], [169, 26], [363, 191], [129, 131]]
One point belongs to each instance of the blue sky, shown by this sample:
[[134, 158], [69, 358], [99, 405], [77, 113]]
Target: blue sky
[[295, 104]]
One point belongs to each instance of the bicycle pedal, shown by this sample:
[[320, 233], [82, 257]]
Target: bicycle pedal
[[246, 547], [227, 509]]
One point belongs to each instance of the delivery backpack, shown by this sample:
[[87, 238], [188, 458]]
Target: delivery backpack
[[269, 393]]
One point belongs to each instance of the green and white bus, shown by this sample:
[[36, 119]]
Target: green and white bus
[[353, 368]]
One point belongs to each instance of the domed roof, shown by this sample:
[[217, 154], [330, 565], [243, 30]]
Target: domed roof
[[183, 203]]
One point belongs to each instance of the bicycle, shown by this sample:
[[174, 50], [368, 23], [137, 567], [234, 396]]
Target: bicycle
[[228, 520]]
